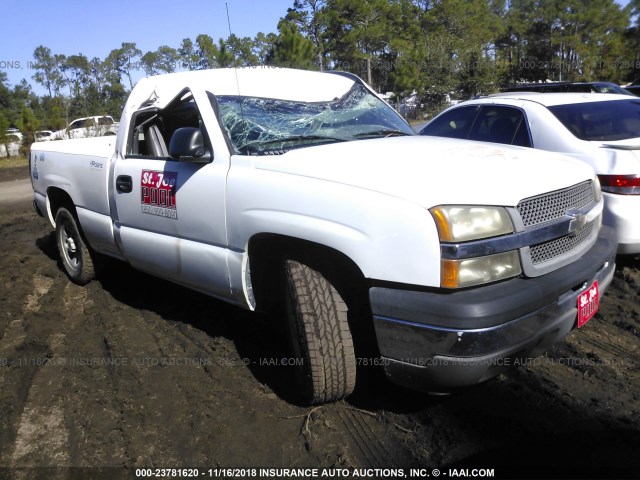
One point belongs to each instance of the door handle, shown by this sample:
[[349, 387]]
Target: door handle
[[124, 184]]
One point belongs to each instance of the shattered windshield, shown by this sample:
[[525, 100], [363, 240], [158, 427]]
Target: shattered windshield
[[258, 126]]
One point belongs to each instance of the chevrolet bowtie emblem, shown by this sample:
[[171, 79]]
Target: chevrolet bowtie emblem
[[577, 223]]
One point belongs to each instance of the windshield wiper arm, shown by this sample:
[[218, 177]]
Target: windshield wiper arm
[[255, 146], [389, 132]]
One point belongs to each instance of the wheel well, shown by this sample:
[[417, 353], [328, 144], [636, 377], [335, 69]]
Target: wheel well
[[268, 251], [59, 198]]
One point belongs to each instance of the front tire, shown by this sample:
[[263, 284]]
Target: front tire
[[74, 251], [320, 335]]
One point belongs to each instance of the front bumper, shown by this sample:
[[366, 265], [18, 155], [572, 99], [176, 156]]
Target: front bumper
[[441, 340]]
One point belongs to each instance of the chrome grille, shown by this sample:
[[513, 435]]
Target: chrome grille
[[546, 251], [554, 205]]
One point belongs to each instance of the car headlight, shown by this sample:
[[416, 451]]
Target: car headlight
[[479, 270], [459, 223]]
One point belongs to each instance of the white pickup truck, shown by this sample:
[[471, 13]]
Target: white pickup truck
[[267, 187], [96, 126]]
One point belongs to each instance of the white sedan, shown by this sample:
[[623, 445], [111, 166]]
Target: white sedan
[[598, 128], [11, 146]]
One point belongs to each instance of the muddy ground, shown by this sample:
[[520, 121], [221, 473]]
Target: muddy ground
[[131, 371]]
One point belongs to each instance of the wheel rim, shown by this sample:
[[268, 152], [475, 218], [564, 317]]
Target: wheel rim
[[69, 247]]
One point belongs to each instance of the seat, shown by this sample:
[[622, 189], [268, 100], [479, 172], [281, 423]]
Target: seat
[[155, 144]]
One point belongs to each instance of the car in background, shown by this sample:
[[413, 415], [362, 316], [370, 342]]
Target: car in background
[[43, 135], [634, 87], [602, 130], [96, 126], [582, 87], [14, 131], [12, 142]]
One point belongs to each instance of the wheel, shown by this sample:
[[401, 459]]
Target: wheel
[[320, 336], [74, 251]]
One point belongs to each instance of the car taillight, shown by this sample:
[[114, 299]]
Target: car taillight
[[622, 184]]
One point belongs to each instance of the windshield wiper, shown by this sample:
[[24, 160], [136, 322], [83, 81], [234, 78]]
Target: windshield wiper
[[389, 132], [256, 146]]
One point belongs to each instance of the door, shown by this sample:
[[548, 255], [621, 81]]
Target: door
[[169, 215]]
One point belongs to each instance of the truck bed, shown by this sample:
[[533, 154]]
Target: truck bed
[[83, 163]]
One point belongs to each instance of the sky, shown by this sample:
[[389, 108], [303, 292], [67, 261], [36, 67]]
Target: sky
[[94, 28]]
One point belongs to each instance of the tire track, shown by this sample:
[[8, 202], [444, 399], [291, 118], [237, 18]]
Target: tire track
[[126, 343], [366, 434], [201, 386], [15, 334], [41, 438], [18, 345], [95, 437], [162, 389], [601, 340], [233, 407], [41, 286]]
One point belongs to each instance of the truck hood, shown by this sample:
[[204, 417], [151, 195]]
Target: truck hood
[[431, 171]]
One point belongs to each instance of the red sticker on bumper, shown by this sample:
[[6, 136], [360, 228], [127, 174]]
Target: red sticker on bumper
[[588, 304]]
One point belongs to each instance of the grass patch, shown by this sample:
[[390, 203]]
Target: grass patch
[[13, 162]]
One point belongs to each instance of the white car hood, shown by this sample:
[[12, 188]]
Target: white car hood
[[431, 171]]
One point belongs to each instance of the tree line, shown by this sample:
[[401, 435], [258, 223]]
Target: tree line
[[439, 49]]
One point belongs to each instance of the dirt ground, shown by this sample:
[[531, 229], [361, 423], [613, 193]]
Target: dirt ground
[[131, 371]]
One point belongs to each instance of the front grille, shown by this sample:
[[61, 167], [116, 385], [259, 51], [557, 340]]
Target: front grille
[[546, 251], [554, 205], [550, 207]]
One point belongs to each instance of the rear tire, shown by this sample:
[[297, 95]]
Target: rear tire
[[74, 251], [320, 336]]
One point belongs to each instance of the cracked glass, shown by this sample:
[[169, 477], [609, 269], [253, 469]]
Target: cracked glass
[[267, 126]]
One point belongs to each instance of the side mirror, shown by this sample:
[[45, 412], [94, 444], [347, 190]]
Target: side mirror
[[187, 145]]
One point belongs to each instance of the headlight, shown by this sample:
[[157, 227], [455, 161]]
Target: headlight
[[457, 223], [479, 270], [461, 223]]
